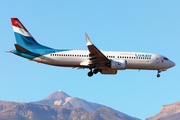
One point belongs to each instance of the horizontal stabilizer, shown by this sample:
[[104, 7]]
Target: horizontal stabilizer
[[8, 51], [21, 49]]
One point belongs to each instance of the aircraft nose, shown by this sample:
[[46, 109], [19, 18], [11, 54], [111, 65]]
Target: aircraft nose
[[172, 64]]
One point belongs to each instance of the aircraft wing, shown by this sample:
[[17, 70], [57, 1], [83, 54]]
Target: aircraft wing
[[96, 57]]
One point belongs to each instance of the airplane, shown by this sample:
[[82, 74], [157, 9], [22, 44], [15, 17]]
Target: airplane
[[105, 62]]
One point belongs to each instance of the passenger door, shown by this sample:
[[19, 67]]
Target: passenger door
[[157, 59]]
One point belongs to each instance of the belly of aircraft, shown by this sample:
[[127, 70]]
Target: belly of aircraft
[[75, 62], [60, 61], [139, 64]]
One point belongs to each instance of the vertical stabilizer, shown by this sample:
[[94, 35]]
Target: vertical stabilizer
[[23, 37]]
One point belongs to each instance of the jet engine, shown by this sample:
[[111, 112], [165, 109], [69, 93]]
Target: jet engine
[[118, 64]]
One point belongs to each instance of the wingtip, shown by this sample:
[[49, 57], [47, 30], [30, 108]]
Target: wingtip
[[88, 40]]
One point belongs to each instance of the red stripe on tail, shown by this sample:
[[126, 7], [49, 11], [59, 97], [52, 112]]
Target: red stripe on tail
[[17, 23]]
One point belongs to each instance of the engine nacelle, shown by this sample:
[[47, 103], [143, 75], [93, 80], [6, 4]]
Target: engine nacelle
[[118, 64]]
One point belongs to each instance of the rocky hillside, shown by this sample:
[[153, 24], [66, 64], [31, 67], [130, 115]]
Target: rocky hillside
[[29, 111], [61, 98], [105, 113], [168, 112]]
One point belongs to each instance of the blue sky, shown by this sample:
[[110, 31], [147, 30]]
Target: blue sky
[[132, 26]]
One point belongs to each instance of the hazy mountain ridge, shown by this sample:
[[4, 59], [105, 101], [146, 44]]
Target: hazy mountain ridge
[[105, 113], [59, 106], [26, 111], [61, 98], [168, 112], [29, 111]]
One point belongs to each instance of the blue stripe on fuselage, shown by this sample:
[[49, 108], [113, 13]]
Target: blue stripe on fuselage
[[26, 55], [37, 53], [47, 51]]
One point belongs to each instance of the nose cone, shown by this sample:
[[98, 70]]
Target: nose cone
[[172, 64]]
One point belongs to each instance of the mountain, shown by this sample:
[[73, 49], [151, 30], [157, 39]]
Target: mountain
[[61, 98], [105, 113], [29, 111], [168, 112]]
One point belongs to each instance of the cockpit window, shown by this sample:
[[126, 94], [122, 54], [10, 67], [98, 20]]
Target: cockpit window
[[166, 59]]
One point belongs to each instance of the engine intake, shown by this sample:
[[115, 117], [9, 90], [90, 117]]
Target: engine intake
[[118, 64]]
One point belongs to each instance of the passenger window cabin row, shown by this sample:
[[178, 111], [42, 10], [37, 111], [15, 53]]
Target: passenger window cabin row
[[69, 55], [123, 57]]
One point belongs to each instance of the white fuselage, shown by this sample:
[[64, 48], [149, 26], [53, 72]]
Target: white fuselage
[[135, 60]]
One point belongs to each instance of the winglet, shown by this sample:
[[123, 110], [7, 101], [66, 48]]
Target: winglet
[[88, 40]]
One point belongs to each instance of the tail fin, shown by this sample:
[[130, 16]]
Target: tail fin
[[23, 37]]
